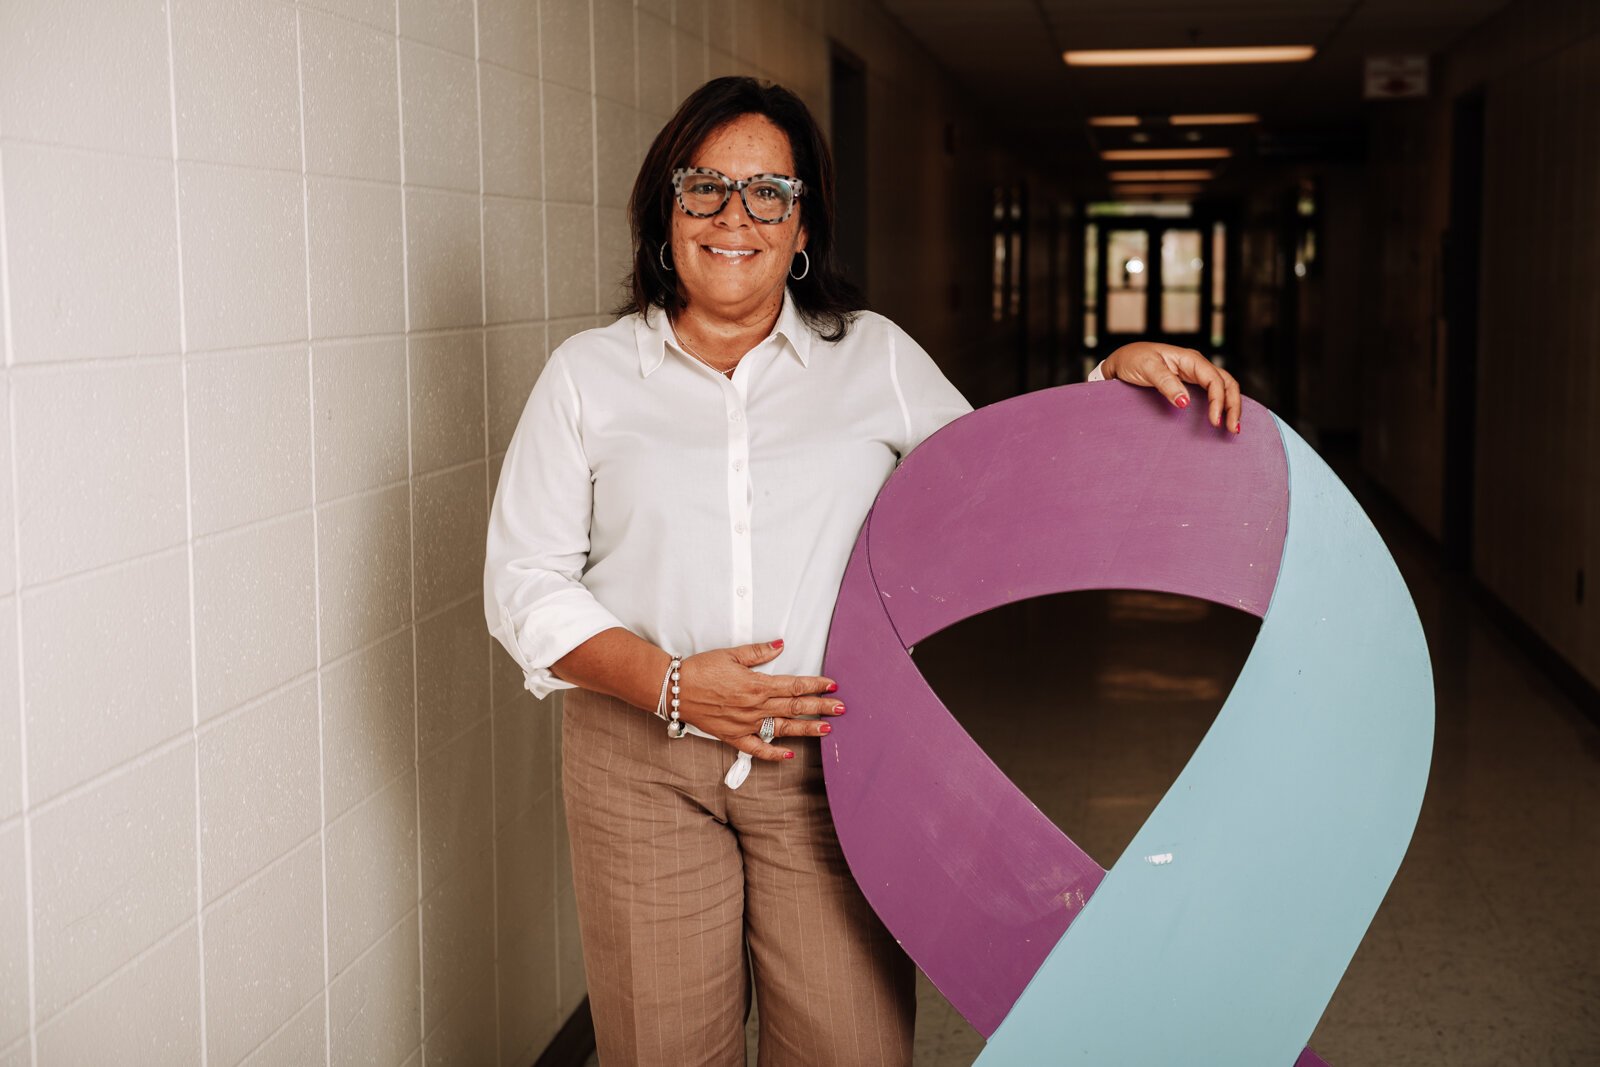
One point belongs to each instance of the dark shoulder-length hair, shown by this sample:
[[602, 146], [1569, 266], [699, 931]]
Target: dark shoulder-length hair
[[824, 297]]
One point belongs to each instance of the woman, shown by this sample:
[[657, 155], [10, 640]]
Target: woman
[[672, 522]]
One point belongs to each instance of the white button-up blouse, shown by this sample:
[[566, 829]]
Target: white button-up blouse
[[643, 489]]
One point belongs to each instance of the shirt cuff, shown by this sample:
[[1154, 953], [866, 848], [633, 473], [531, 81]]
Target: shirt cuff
[[537, 647], [1098, 374]]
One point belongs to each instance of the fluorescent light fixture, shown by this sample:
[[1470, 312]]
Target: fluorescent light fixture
[[1162, 175], [1214, 120], [1140, 155], [1184, 57], [1153, 189], [1240, 119]]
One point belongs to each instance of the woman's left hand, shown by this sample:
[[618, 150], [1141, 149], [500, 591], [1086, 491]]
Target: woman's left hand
[[1167, 367]]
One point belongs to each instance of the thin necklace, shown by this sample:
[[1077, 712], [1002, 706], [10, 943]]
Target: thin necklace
[[685, 345]]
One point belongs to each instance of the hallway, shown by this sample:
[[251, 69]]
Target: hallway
[[1486, 950], [277, 280]]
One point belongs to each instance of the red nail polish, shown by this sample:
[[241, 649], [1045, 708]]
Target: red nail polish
[[1182, 401], [824, 729], [833, 687], [838, 709], [788, 755], [777, 643], [1238, 426]]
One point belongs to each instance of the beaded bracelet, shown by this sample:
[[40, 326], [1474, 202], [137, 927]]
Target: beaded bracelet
[[676, 727]]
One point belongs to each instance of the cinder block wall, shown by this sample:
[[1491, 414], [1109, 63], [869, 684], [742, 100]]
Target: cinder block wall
[[277, 279]]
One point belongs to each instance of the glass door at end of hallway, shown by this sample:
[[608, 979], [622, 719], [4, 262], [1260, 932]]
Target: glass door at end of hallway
[[1153, 280]]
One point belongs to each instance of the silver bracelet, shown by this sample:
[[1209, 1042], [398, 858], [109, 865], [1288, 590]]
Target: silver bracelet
[[676, 727]]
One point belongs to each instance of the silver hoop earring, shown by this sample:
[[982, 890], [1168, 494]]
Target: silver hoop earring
[[802, 274], [661, 256]]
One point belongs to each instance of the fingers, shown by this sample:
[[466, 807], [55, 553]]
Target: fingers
[[757, 654], [760, 749], [806, 705], [795, 685], [1222, 389], [1170, 386], [802, 728]]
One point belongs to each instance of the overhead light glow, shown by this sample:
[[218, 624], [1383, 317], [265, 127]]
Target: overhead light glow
[[1132, 155], [1240, 119], [1128, 189], [1187, 57], [1162, 175]]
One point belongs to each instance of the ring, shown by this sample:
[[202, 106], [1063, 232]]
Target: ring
[[769, 730]]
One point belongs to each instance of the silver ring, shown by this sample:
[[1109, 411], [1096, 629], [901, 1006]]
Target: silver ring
[[769, 730]]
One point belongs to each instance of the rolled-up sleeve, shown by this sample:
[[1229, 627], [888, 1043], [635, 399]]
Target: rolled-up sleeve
[[535, 602]]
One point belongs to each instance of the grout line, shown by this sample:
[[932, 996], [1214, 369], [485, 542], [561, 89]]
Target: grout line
[[594, 171], [544, 167], [10, 356], [188, 548], [483, 366], [281, 1027], [70, 364], [123, 968], [259, 873], [316, 551], [128, 766], [21, 694], [411, 548]]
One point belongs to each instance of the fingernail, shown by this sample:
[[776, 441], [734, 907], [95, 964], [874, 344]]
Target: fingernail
[[777, 643], [1182, 401], [838, 709], [824, 729], [1238, 426], [833, 687], [788, 755]]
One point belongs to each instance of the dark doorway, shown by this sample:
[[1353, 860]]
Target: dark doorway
[[848, 115], [1458, 254]]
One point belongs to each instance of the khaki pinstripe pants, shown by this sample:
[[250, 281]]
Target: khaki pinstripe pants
[[676, 874]]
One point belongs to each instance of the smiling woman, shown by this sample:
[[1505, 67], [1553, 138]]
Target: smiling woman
[[674, 517]]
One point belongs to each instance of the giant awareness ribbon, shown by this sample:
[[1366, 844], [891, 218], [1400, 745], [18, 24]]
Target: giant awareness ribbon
[[1220, 934]]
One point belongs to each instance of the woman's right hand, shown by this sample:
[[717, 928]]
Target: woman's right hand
[[722, 695]]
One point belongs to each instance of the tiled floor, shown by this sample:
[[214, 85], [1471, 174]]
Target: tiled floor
[[1487, 949]]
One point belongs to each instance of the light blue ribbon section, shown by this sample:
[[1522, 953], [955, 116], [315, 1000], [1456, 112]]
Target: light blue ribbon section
[[1221, 933]]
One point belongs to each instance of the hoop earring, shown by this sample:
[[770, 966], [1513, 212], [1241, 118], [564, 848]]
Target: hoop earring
[[802, 274], [661, 256]]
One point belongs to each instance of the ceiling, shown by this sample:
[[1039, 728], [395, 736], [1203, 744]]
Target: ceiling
[[1007, 53]]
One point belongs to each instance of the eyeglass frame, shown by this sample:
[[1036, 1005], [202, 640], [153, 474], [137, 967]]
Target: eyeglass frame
[[729, 187]]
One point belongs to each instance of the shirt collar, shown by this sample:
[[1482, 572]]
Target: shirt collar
[[653, 333]]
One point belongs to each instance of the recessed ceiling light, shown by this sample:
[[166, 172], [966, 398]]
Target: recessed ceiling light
[[1130, 155], [1166, 57], [1240, 119], [1162, 175], [1114, 120]]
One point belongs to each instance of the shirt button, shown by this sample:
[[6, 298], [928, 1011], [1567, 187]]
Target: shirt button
[[742, 591], [734, 416], [738, 464], [738, 527]]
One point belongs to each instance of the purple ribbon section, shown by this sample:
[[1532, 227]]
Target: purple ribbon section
[[1032, 496]]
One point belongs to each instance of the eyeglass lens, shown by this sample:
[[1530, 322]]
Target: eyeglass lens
[[767, 200]]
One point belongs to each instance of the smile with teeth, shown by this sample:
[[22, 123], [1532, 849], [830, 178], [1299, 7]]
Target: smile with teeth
[[730, 253]]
